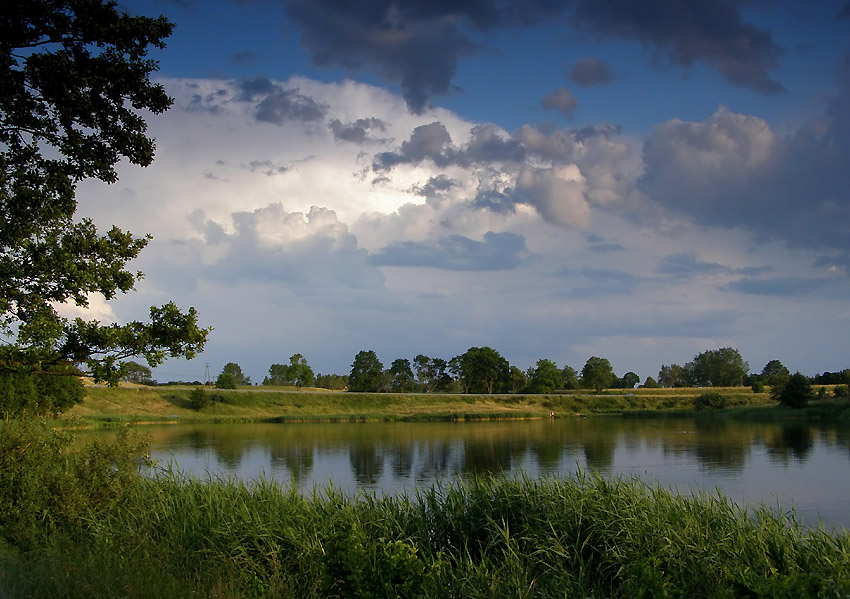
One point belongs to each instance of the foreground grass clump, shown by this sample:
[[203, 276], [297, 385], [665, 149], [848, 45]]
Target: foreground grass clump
[[585, 536]]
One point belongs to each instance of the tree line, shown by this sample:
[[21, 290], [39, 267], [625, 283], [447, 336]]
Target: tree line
[[483, 370]]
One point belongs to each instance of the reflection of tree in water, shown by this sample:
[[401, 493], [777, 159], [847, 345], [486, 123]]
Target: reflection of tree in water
[[298, 459], [599, 451], [718, 446], [794, 439], [401, 458], [486, 455], [365, 461], [438, 459]]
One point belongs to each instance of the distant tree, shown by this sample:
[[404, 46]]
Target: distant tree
[[334, 382], [367, 372], [545, 377], [840, 391], [672, 376], [517, 380], [401, 375], [432, 373], [597, 374], [570, 377], [757, 387], [629, 380], [236, 370], [774, 373], [278, 375], [480, 370], [298, 372], [722, 367], [796, 392], [226, 380], [650, 383], [133, 372], [51, 393]]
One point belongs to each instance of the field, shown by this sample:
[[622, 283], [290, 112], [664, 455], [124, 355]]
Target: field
[[158, 404]]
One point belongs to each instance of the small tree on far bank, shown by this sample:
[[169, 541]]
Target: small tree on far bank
[[226, 380], [796, 392]]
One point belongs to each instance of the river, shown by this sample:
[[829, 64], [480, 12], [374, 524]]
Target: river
[[803, 464]]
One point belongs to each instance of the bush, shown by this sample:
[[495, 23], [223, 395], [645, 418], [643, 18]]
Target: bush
[[226, 380], [758, 387], [841, 391], [709, 401], [795, 393], [199, 399]]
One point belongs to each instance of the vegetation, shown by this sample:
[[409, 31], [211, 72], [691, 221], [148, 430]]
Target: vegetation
[[76, 84], [597, 374], [796, 392], [583, 536]]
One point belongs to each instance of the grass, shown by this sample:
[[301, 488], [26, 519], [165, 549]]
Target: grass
[[104, 405], [582, 536]]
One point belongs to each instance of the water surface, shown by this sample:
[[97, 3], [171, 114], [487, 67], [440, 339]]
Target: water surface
[[778, 464]]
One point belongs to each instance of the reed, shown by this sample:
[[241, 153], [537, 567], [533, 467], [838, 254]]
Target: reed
[[129, 535]]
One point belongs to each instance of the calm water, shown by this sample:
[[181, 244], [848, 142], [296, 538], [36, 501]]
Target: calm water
[[751, 463]]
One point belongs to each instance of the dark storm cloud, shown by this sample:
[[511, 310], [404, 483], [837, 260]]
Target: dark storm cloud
[[254, 87], [433, 142], [561, 100], [591, 71], [498, 251], [418, 43], [289, 105], [435, 187], [358, 132], [682, 32]]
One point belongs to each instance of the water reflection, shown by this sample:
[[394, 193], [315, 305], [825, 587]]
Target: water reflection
[[750, 462]]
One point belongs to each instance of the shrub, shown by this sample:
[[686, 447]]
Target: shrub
[[199, 399], [709, 401], [758, 387], [795, 393], [841, 391], [226, 380]]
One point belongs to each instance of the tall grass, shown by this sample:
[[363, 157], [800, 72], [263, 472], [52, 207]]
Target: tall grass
[[583, 536]]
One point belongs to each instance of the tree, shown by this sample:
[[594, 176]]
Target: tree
[[74, 84], [650, 383], [570, 377], [545, 377], [517, 381], [133, 372], [236, 370], [629, 380], [432, 373], [722, 367], [774, 373], [226, 380], [299, 372], [597, 374], [278, 375], [367, 372], [796, 392], [401, 375], [480, 369], [672, 376]]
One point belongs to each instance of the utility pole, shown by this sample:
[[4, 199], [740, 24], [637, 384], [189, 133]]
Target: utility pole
[[207, 378]]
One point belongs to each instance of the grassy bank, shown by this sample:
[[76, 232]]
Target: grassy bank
[[158, 404], [85, 525]]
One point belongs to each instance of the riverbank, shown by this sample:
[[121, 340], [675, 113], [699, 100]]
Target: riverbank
[[89, 525], [105, 405]]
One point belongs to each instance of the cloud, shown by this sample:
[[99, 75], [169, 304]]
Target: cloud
[[358, 132], [682, 32], [686, 264], [498, 251], [588, 72], [561, 100], [556, 193], [289, 105], [779, 286]]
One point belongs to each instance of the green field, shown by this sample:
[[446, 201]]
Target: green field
[[158, 404]]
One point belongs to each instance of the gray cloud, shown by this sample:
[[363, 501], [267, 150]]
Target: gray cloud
[[433, 142], [588, 72], [435, 187], [251, 88], [418, 43], [561, 100], [289, 105], [358, 132], [498, 251], [682, 32], [778, 286]]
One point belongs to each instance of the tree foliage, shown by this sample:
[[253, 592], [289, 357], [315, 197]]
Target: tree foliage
[[796, 392], [236, 370], [74, 85], [226, 380], [401, 375], [133, 372], [597, 374], [545, 377], [774, 373], [480, 370], [367, 372], [722, 367]]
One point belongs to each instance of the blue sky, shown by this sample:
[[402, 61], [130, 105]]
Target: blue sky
[[640, 181]]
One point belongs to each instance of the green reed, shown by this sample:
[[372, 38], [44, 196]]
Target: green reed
[[580, 536]]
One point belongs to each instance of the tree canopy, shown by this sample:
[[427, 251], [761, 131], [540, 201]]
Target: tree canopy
[[597, 374], [480, 369], [74, 86], [367, 372]]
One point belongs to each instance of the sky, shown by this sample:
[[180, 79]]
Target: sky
[[635, 180]]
